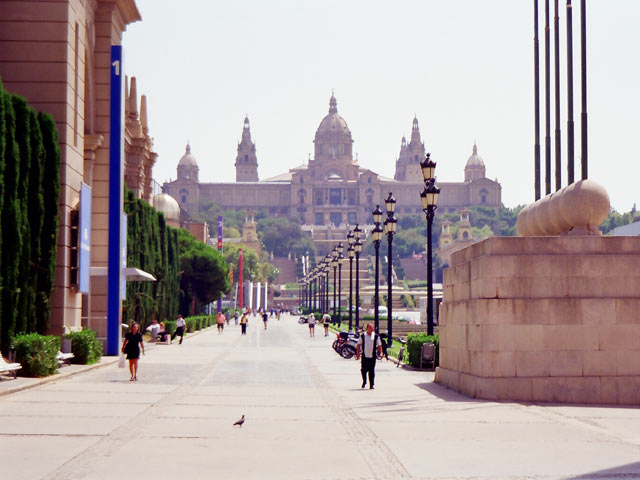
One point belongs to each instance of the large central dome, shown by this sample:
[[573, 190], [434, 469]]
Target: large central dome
[[333, 139]]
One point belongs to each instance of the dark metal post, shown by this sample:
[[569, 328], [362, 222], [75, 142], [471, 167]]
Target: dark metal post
[[583, 52], [536, 82], [357, 289], [556, 39], [326, 293], [389, 287], [350, 291], [339, 290], [570, 139], [547, 101], [377, 286], [430, 214], [334, 293]]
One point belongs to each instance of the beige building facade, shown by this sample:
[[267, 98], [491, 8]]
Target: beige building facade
[[56, 54], [331, 188]]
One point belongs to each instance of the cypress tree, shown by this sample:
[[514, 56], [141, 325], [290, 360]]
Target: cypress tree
[[25, 287], [11, 221], [35, 212], [3, 141], [49, 236]]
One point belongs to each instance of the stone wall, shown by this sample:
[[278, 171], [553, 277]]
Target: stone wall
[[543, 319]]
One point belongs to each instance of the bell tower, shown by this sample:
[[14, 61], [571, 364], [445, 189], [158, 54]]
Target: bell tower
[[246, 160], [411, 154]]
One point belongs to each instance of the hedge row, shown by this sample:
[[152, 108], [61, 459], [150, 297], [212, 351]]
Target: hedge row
[[414, 344], [29, 190], [152, 246]]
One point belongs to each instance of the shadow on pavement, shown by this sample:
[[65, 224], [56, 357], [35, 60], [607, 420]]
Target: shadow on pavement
[[630, 470], [446, 394]]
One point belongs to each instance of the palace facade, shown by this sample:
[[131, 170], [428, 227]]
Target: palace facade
[[332, 188]]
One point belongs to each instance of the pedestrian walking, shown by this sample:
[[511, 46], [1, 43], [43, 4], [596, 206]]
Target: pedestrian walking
[[180, 325], [132, 346], [326, 320], [368, 343], [243, 324], [220, 322], [312, 325], [265, 319], [227, 317], [236, 317]]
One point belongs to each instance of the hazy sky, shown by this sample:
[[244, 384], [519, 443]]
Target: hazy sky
[[464, 67]]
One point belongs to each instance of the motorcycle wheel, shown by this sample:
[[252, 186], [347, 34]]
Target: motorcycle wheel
[[347, 351]]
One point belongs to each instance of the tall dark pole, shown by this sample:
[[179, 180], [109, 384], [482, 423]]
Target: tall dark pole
[[389, 287], [350, 290], [335, 267], [377, 284], [357, 285], [430, 213], [547, 101], [583, 53], [570, 139], [327, 291], [536, 83], [556, 38], [339, 290]]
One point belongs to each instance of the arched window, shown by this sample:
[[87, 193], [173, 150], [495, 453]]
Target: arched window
[[465, 235], [184, 194], [246, 158], [483, 195], [301, 196]]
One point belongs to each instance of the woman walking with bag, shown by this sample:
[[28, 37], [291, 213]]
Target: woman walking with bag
[[131, 346]]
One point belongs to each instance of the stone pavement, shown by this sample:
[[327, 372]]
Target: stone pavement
[[306, 418]]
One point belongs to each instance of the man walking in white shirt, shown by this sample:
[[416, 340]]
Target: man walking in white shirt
[[367, 345]]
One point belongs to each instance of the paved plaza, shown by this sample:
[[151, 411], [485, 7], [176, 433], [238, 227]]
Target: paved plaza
[[306, 418]]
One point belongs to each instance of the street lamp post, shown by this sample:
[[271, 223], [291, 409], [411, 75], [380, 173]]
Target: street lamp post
[[357, 246], [340, 260], [377, 236], [429, 199], [390, 229], [334, 264], [350, 254], [327, 264]]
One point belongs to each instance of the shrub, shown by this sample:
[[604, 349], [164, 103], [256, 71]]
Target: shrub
[[85, 346], [37, 354], [170, 326], [198, 323], [414, 344], [191, 324]]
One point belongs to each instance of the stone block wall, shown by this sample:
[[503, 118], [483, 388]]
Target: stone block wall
[[543, 319]]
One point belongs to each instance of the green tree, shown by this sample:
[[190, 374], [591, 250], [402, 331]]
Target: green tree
[[204, 273]]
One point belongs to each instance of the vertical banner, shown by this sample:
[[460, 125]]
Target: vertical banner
[[220, 250], [123, 257], [84, 228], [116, 158], [240, 280]]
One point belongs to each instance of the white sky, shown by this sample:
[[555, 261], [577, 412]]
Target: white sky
[[465, 67]]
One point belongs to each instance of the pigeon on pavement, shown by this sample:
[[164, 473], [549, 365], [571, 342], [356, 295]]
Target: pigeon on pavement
[[239, 422]]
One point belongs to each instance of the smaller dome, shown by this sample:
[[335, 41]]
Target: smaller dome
[[167, 205], [187, 159], [475, 160]]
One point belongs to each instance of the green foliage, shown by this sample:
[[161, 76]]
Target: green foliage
[[170, 326], [49, 233], [86, 348], [231, 232], [205, 273], [191, 324], [408, 301], [11, 220], [29, 189], [282, 236], [414, 344], [616, 219], [37, 354], [152, 246]]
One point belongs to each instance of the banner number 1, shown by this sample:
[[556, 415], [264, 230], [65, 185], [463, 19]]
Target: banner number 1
[[116, 64]]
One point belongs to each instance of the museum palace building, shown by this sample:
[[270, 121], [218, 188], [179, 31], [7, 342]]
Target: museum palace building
[[332, 188]]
